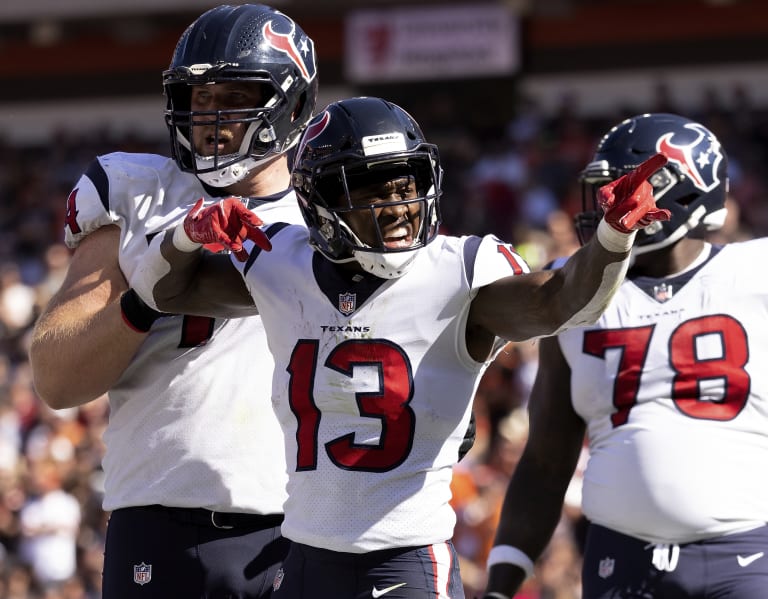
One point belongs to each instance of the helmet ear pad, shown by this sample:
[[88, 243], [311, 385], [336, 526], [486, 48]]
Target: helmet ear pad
[[248, 43], [693, 185]]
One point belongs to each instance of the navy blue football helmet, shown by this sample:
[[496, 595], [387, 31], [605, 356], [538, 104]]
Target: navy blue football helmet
[[253, 43], [351, 144], [692, 185]]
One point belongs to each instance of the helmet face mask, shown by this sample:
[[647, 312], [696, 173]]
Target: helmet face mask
[[251, 45], [692, 185], [359, 196], [368, 185], [253, 127]]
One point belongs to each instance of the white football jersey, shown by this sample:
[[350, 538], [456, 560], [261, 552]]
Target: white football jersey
[[191, 423], [673, 385], [373, 386]]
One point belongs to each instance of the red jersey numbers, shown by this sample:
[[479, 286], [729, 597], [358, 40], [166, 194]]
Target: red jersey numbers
[[388, 404], [71, 218], [695, 364], [707, 356], [633, 344]]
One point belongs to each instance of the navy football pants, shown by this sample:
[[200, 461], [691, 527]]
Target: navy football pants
[[156, 552], [733, 566], [430, 572]]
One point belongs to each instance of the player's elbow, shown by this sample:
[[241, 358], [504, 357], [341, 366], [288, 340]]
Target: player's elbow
[[50, 392], [61, 397], [55, 391], [54, 385]]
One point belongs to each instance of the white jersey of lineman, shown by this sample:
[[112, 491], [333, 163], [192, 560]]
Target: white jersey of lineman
[[373, 386], [673, 386], [184, 430]]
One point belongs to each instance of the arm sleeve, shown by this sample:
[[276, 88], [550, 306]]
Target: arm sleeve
[[88, 205]]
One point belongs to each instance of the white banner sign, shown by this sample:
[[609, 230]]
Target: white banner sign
[[431, 43]]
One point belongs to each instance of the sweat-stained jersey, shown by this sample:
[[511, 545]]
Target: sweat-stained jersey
[[673, 385], [373, 386], [184, 430]]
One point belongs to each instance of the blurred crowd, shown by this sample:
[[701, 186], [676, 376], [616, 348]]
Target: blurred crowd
[[517, 179]]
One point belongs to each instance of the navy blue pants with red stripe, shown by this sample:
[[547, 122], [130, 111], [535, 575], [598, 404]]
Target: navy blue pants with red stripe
[[155, 552], [617, 566], [430, 572]]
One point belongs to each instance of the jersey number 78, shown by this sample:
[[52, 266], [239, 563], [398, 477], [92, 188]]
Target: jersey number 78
[[691, 371]]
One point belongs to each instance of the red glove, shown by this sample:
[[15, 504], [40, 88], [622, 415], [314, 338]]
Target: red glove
[[228, 223], [628, 202]]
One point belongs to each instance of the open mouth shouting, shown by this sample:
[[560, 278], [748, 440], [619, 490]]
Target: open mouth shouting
[[398, 234], [221, 145]]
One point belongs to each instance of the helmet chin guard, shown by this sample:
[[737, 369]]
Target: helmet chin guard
[[225, 176], [386, 266], [229, 175]]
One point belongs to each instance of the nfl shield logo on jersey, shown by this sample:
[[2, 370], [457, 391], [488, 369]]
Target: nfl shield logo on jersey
[[347, 303], [662, 292], [278, 579], [142, 573], [605, 568]]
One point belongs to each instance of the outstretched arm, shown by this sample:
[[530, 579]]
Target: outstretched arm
[[176, 275], [533, 503], [547, 302]]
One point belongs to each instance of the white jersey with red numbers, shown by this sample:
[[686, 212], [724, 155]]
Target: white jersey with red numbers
[[185, 430], [373, 386], [673, 385]]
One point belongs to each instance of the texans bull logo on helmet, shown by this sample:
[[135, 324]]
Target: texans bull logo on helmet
[[298, 47], [313, 130], [698, 159]]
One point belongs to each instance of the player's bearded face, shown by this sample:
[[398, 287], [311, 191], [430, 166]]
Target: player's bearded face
[[386, 210], [221, 130]]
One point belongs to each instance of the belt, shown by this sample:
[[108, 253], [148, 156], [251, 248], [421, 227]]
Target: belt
[[202, 517]]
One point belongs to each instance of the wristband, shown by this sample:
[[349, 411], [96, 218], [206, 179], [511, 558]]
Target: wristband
[[136, 313], [182, 242], [613, 240], [506, 554]]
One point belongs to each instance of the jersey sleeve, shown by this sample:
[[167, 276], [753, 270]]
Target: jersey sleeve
[[489, 259], [255, 251], [88, 205]]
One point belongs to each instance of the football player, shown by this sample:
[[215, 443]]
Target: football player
[[671, 390], [381, 329], [194, 471]]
